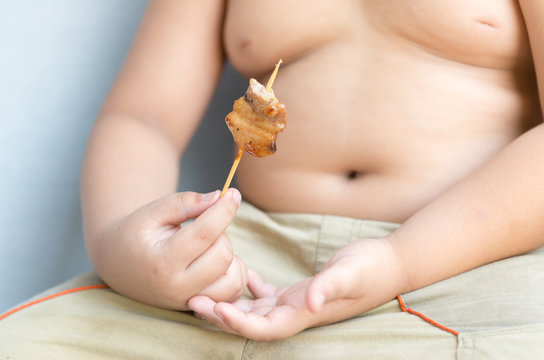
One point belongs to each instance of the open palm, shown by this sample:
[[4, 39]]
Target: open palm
[[354, 280]]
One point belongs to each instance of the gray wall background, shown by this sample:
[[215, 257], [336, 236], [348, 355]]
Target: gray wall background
[[58, 59]]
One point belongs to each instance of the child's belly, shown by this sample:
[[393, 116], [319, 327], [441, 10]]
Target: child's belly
[[380, 124]]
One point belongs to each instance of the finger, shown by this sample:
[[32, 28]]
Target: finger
[[333, 283], [271, 325], [276, 324], [258, 287], [179, 207], [195, 238], [230, 286], [204, 307], [207, 267]]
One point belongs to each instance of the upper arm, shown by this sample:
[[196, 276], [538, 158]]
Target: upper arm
[[172, 68], [533, 13]]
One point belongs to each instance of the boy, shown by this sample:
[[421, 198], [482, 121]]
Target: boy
[[424, 114]]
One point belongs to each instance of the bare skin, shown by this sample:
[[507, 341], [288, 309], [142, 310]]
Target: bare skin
[[425, 113], [412, 104]]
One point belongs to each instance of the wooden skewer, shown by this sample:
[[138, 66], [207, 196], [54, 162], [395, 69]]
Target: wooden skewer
[[232, 171], [241, 149], [273, 76]]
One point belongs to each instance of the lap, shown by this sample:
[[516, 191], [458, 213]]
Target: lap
[[99, 323], [495, 311]]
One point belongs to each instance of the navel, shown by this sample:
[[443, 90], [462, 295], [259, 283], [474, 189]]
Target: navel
[[352, 174]]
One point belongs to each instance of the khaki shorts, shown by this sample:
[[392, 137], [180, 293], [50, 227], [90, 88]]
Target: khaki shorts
[[493, 312]]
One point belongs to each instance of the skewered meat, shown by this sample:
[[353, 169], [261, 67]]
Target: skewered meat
[[256, 120]]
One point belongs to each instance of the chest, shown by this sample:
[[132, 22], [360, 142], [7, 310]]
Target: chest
[[489, 33]]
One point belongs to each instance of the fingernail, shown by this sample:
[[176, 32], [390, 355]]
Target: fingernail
[[236, 196], [209, 196]]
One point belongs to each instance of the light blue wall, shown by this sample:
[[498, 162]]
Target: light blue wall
[[57, 61]]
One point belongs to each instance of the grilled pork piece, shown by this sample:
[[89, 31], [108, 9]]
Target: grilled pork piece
[[256, 120]]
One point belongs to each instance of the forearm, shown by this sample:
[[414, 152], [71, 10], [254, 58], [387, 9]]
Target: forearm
[[152, 110], [493, 214], [128, 163]]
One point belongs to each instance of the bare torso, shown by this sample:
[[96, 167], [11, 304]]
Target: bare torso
[[389, 102]]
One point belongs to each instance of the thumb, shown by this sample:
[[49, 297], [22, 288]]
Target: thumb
[[179, 207], [332, 283]]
